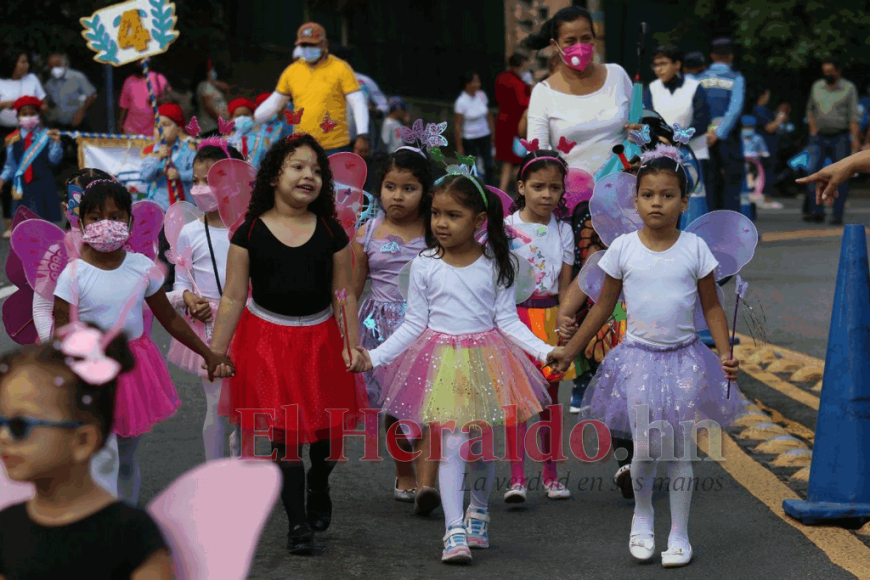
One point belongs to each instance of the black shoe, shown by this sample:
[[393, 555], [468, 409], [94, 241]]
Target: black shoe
[[815, 217], [836, 221], [319, 506], [428, 499], [300, 541]]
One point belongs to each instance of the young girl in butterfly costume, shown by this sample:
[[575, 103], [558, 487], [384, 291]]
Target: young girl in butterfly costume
[[201, 247], [99, 284], [548, 245], [661, 372]]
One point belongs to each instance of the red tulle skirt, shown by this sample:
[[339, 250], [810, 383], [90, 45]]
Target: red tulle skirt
[[299, 366]]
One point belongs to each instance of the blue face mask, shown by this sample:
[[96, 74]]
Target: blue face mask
[[310, 53], [244, 124]]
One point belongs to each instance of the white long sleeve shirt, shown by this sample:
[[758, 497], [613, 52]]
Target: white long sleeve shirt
[[458, 301]]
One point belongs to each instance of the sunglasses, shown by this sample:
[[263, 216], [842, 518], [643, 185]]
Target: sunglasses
[[20, 427]]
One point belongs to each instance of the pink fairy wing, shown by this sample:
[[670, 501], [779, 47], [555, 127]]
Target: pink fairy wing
[[40, 245], [13, 492], [579, 185], [18, 316], [177, 216], [506, 200], [147, 219], [14, 267], [347, 220], [194, 511], [232, 181], [731, 237], [612, 207], [591, 277], [349, 197], [349, 169]]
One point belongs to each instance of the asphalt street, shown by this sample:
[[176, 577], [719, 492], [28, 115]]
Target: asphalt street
[[733, 534]]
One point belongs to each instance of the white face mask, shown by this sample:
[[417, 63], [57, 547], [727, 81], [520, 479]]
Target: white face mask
[[58, 71]]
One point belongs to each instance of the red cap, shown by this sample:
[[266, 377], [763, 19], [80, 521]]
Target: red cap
[[262, 98], [172, 111], [310, 33], [28, 100], [236, 103]]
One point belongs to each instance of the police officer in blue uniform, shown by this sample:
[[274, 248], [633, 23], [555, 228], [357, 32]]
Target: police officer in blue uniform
[[725, 90]]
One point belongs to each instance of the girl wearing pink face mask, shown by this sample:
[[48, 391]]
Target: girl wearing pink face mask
[[208, 240], [101, 282], [582, 101]]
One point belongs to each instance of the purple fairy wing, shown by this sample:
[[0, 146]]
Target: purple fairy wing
[[579, 185], [612, 207], [232, 180], [147, 219], [18, 316], [14, 267], [730, 235], [40, 245], [591, 277], [192, 514], [698, 315]]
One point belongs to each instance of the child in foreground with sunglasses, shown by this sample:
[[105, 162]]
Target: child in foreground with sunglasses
[[57, 403]]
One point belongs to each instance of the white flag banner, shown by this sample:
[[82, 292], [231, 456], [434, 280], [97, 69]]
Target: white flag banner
[[119, 157]]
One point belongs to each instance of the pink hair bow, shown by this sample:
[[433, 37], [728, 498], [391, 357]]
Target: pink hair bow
[[85, 343]]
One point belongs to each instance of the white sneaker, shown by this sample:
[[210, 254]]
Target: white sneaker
[[676, 557], [574, 410], [515, 494], [456, 550], [642, 545], [556, 490]]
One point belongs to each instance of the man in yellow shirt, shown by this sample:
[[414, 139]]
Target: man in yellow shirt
[[324, 86]]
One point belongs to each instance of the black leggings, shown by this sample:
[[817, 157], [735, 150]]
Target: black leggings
[[293, 487]]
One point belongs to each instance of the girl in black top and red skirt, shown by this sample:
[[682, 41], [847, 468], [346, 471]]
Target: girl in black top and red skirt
[[290, 358]]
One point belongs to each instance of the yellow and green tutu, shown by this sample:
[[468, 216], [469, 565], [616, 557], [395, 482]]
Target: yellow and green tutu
[[466, 378]]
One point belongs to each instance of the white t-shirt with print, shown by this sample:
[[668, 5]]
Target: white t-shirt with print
[[26, 86], [474, 111], [661, 288], [102, 294], [546, 248]]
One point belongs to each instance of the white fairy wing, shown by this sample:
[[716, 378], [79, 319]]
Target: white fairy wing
[[212, 516], [612, 207], [731, 237]]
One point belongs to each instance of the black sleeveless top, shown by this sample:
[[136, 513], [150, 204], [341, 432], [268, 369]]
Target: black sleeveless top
[[291, 281]]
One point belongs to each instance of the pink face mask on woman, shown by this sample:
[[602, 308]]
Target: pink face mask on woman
[[204, 198], [578, 56], [106, 235]]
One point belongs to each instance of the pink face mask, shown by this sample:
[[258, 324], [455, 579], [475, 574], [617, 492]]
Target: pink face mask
[[28, 123], [204, 198], [106, 235], [578, 56]]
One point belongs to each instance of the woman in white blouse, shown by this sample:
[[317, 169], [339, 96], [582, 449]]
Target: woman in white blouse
[[475, 134], [16, 81], [581, 101]]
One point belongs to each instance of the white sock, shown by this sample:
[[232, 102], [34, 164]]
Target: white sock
[[451, 473], [128, 469], [642, 478], [681, 485], [214, 429]]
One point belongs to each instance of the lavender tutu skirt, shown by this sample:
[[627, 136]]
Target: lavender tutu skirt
[[676, 383], [377, 322], [145, 395], [466, 378]]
